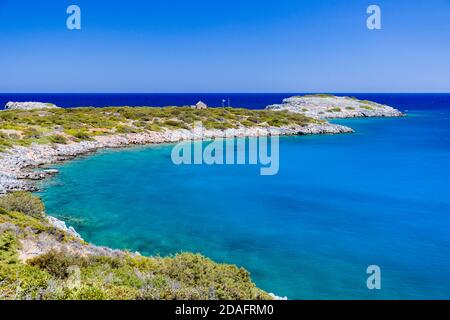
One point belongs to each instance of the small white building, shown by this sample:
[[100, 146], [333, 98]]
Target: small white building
[[200, 105]]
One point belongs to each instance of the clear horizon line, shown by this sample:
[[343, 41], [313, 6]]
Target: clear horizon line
[[240, 92]]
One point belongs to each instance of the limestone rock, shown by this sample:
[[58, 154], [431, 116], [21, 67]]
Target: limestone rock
[[29, 105], [61, 225], [323, 106]]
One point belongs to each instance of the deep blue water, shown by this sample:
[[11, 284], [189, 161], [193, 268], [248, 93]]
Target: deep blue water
[[339, 204], [246, 100]]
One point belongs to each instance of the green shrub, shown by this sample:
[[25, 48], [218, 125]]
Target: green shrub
[[57, 138], [277, 122], [126, 129], [23, 221], [23, 202], [196, 271], [176, 124], [8, 248], [253, 119], [56, 263], [247, 123], [334, 109], [32, 133], [82, 135], [153, 127], [89, 292]]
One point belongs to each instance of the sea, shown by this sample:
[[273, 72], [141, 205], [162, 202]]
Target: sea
[[339, 203]]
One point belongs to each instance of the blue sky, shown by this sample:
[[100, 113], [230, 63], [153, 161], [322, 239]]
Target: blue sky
[[225, 46]]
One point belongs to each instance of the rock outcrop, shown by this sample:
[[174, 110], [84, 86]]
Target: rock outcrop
[[333, 107], [61, 225], [29, 105]]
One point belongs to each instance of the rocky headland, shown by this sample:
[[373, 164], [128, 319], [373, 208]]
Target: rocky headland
[[324, 106]]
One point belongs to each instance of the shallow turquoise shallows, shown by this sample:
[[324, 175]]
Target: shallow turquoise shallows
[[339, 204]]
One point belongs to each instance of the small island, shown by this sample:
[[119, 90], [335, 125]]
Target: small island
[[327, 106], [39, 255]]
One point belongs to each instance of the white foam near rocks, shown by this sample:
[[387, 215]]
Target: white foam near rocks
[[61, 225], [275, 297]]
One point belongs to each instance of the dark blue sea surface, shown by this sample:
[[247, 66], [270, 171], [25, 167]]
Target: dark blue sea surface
[[339, 204], [246, 100]]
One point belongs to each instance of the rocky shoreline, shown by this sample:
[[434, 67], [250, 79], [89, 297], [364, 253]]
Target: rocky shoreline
[[18, 164]]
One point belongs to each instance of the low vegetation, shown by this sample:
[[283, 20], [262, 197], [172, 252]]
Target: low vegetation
[[336, 109], [65, 274], [46, 126], [23, 202]]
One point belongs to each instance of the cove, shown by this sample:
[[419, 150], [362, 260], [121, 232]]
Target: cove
[[338, 204]]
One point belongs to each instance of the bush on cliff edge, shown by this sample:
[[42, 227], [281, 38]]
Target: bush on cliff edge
[[23, 202]]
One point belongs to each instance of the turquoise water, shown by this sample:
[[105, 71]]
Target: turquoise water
[[339, 204]]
